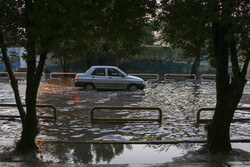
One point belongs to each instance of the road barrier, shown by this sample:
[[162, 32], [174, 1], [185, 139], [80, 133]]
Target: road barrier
[[58, 76], [62, 75], [38, 116], [4, 76], [248, 77], [198, 120], [208, 77], [173, 77], [18, 75], [159, 119], [148, 77]]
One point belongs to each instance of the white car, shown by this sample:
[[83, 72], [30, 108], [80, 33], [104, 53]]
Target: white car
[[109, 78]]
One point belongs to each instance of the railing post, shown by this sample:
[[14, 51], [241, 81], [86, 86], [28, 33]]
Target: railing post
[[92, 114]]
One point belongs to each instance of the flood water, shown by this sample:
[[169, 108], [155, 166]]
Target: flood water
[[179, 102]]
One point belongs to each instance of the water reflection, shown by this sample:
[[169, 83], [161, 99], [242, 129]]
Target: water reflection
[[79, 153], [82, 153]]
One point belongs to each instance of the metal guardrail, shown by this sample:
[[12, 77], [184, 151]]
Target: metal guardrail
[[124, 108], [198, 120], [38, 116], [212, 77], [172, 77], [4, 75], [149, 77], [62, 75], [208, 77], [248, 77], [18, 75]]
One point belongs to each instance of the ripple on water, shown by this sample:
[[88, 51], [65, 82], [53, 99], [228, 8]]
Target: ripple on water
[[179, 102], [115, 137], [77, 136]]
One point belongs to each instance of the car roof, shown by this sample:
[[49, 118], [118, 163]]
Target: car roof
[[104, 67]]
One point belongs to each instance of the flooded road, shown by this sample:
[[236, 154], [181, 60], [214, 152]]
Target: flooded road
[[179, 102]]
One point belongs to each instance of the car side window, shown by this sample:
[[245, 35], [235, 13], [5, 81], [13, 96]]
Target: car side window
[[99, 72], [114, 73]]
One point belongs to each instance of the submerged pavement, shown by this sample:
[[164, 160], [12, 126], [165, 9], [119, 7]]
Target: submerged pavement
[[179, 101]]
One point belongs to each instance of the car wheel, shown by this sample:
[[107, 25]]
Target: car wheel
[[89, 87], [132, 88]]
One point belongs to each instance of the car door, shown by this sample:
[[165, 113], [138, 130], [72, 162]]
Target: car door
[[99, 78], [116, 79]]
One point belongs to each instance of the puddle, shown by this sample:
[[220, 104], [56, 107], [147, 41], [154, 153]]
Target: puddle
[[179, 102], [79, 153]]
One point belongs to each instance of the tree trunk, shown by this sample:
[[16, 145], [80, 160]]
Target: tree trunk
[[64, 63], [195, 66], [228, 95], [30, 126]]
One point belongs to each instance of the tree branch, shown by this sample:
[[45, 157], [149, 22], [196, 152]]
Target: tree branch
[[12, 77]]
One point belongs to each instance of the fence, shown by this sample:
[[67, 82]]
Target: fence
[[18, 75], [208, 77], [159, 119], [4, 76], [149, 77], [62, 75], [173, 77], [38, 116], [198, 120]]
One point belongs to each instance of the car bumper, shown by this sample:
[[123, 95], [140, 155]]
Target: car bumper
[[141, 86], [79, 84]]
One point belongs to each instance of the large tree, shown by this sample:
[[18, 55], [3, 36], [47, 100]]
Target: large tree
[[31, 24], [41, 26], [225, 24], [118, 29], [188, 34]]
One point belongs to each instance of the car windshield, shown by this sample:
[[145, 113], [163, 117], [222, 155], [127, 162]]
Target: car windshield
[[123, 72]]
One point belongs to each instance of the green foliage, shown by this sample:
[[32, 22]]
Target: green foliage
[[106, 28], [10, 22], [161, 52], [188, 24], [183, 27]]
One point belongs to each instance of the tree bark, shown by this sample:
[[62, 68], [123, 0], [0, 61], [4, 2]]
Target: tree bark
[[30, 125], [195, 66], [65, 63], [228, 94]]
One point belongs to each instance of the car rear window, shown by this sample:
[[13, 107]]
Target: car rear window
[[99, 72]]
